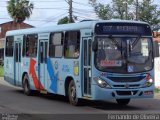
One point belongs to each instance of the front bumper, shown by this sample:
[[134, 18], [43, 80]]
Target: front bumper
[[103, 94]]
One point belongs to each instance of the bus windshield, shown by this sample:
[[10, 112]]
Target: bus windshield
[[124, 54]]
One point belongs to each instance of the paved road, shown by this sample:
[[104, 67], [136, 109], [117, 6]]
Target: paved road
[[12, 100]]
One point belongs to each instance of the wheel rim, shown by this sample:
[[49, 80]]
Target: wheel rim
[[73, 94], [26, 87]]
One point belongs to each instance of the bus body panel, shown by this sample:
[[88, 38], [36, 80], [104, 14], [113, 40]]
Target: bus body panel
[[51, 74], [9, 70], [58, 71], [99, 93], [105, 94]]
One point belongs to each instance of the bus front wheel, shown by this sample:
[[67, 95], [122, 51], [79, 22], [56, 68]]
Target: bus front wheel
[[123, 101], [26, 86], [72, 94]]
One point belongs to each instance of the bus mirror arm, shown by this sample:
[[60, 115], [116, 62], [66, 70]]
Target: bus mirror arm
[[94, 46], [156, 49]]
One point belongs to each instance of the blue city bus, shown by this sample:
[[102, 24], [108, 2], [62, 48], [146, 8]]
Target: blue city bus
[[93, 60]]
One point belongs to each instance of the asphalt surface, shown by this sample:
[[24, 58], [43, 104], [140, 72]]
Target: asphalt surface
[[13, 101]]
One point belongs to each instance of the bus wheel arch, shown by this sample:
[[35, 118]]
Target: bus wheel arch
[[25, 84], [24, 73], [72, 93], [67, 82]]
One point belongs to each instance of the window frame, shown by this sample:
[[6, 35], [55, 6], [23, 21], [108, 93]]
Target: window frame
[[10, 38], [25, 40], [65, 42], [51, 45]]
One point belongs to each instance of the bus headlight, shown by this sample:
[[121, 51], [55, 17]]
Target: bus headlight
[[102, 83], [149, 81]]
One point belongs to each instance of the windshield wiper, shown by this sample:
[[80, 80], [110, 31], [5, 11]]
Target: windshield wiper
[[135, 41], [115, 41]]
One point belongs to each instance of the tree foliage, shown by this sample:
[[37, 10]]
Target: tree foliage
[[104, 11], [19, 10], [126, 9], [120, 7], [149, 13], [64, 20]]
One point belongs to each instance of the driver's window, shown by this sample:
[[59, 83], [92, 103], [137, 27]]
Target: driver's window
[[144, 43]]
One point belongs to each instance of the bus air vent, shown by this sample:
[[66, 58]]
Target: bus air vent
[[126, 79], [126, 92]]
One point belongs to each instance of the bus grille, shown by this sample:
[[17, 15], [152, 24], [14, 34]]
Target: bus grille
[[126, 79], [129, 86], [126, 92]]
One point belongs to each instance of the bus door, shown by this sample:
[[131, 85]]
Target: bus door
[[86, 66], [43, 46], [17, 62]]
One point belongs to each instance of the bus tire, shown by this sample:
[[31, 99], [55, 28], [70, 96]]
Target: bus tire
[[123, 101], [26, 86], [72, 94]]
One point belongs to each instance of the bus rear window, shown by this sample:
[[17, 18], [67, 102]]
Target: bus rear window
[[9, 46]]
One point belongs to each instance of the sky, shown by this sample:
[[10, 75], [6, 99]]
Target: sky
[[48, 12]]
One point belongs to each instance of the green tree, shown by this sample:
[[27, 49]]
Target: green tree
[[64, 20], [126, 9], [149, 12], [122, 9], [19, 10], [104, 12], [118, 9]]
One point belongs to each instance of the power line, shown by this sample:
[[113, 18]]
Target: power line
[[46, 1], [83, 10], [40, 1], [25, 20], [72, 10], [52, 8], [56, 17], [81, 4], [45, 8], [79, 13]]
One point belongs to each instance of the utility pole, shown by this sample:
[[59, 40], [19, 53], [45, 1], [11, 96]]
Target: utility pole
[[126, 9], [70, 11], [137, 6]]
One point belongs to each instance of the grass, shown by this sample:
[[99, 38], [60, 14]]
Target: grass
[[1, 71], [157, 90]]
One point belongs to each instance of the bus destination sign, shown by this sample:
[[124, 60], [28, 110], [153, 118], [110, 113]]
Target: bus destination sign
[[115, 28]]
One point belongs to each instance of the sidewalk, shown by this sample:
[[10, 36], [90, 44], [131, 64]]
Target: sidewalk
[[3, 82], [157, 95]]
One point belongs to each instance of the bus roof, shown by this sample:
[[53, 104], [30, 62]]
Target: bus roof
[[67, 27]]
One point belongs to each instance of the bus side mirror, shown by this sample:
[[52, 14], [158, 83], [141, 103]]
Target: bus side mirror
[[156, 49], [94, 46]]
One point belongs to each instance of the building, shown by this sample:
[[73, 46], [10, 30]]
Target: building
[[4, 27], [156, 34]]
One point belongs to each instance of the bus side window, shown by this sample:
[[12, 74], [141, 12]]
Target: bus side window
[[9, 46], [72, 44], [56, 45], [30, 43]]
